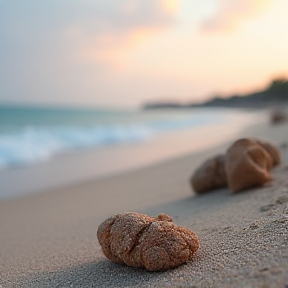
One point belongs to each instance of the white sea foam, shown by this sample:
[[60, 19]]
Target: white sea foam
[[33, 143]]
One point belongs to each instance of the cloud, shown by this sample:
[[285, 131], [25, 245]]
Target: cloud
[[49, 45], [232, 13], [49, 27], [108, 37]]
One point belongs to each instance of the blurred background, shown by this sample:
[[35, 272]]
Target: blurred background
[[77, 74], [125, 52]]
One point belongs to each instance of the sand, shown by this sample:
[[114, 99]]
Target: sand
[[49, 239]]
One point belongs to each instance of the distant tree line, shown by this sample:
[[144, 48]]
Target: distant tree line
[[275, 94]]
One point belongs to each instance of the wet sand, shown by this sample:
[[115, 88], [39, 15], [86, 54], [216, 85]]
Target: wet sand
[[49, 239]]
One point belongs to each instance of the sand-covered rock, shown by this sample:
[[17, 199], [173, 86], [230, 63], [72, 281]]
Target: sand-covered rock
[[273, 151], [210, 175], [142, 241], [247, 165]]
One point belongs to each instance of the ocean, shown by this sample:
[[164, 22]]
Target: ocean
[[34, 134]]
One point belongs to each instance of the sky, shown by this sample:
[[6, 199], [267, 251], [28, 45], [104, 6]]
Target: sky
[[123, 53]]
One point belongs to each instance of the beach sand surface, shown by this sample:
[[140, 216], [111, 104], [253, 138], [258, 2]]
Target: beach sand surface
[[49, 239]]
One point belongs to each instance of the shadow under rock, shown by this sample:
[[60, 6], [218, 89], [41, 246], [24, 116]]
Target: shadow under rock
[[209, 201], [98, 274], [193, 203]]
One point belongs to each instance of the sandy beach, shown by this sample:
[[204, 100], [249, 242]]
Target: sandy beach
[[49, 239]]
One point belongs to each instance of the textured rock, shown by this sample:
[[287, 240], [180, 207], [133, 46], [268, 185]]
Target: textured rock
[[210, 175], [247, 165], [142, 241], [272, 150]]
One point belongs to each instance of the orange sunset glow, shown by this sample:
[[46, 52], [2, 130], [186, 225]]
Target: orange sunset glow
[[170, 5], [232, 13], [185, 50]]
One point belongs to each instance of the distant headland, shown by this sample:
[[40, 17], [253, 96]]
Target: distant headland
[[275, 94]]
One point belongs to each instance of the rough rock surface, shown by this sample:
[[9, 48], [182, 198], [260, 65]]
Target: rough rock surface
[[210, 175], [247, 165], [272, 150], [142, 241]]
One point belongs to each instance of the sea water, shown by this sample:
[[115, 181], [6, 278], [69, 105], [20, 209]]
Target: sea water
[[34, 134]]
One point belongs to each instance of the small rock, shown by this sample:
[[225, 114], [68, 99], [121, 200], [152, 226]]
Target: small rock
[[210, 175], [272, 150], [142, 241], [248, 165]]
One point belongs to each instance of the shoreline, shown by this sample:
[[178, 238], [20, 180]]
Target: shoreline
[[85, 165], [49, 239]]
